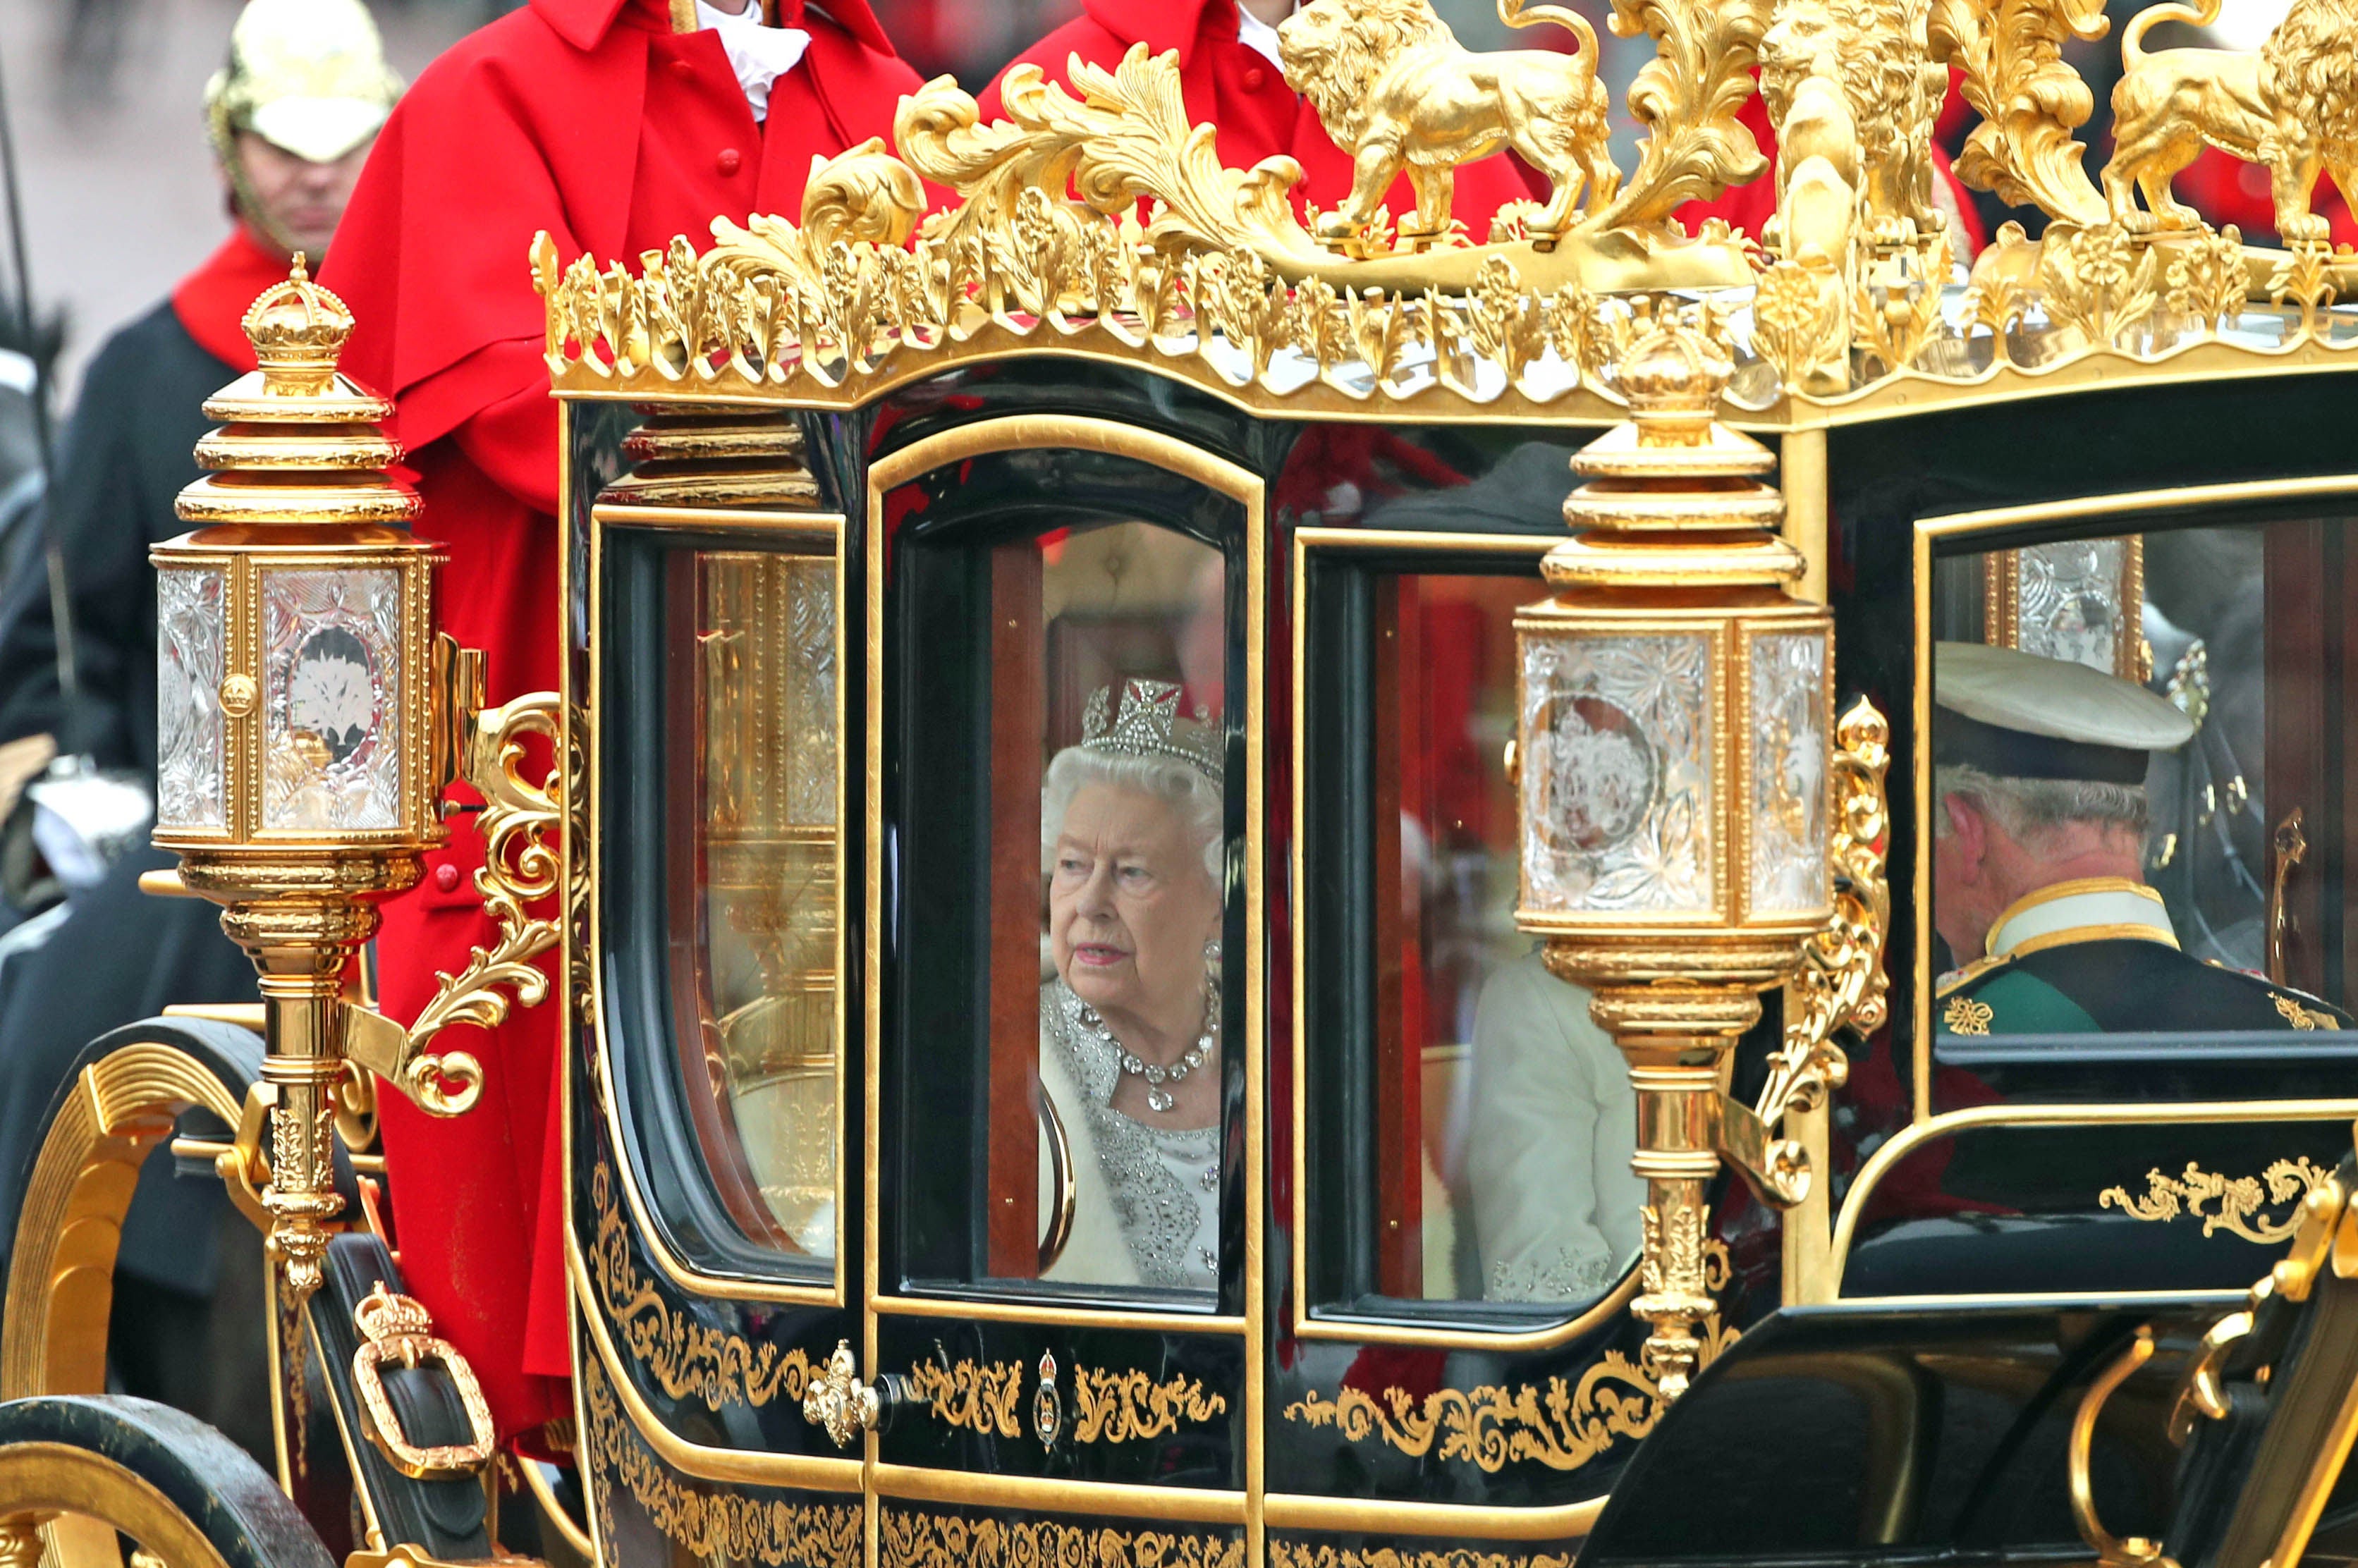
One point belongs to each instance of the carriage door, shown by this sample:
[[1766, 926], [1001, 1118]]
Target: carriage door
[[1064, 902]]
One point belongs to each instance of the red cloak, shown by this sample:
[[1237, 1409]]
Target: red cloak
[[1253, 113], [212, 301], [592, 120]]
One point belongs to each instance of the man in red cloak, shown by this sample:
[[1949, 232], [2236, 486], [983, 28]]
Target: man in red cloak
[[1229, 75], [613, 125]]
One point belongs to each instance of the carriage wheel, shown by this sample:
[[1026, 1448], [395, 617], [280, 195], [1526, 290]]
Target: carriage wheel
[[119, 1103], [82, 1471]]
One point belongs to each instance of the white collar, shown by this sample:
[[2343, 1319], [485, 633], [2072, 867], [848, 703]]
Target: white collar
[[758, 54], [1251, 32], [2091, 909]]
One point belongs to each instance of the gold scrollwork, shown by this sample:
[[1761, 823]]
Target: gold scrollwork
[[1562, 1427], [981, 1397], [1840, 983], [1121, 1407], [719, 1526], [2029, 97], [1285, 1554], [686, 1358], [909, 1538], [2241, 1200]]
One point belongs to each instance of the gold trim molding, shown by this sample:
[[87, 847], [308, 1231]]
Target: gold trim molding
[[1305, 1554], [908, 1538], [718, 1526], [685, 1358], [2241, 1200]]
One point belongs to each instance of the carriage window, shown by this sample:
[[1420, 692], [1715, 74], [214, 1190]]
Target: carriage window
[[1069, 911], [2136, 795], [1470, 1125], [754, 885]]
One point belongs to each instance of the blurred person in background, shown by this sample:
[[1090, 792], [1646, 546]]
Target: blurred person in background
[[291, 117], [612, 126], [1230, 75]]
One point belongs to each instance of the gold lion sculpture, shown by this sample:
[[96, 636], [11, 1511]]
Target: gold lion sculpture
[[1392, 85], [2292, 104], [1850, 82]]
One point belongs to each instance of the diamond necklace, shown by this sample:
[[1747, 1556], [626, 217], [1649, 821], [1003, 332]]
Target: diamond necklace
[[1157, 1097]]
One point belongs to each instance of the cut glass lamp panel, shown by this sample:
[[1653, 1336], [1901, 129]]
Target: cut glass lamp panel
[[190, 627], [2068, 602], [331, 727], [1617, 774], [1789, 872]]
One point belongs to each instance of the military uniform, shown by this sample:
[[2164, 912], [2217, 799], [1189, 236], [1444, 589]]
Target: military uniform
[[2099, 956]]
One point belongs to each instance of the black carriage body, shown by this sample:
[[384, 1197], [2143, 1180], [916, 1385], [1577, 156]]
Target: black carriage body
[[1304, 1405]]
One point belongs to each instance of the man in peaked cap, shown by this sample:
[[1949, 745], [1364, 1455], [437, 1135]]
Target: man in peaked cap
[[613, 126], [290, 117], [2039, 822]]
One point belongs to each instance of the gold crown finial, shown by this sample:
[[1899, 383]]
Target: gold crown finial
[[298, 330], [1673, 375]]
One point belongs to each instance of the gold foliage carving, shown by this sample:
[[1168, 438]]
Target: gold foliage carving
[[686, 1358], [2240, 1201], [907, 1538], [2099, 282], [964, 1394], [2030, 99], [1688, 96], [1121, 1407], [712, 1527], [1283, 1553]]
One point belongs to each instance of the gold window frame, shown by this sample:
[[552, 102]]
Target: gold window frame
[[1032, 432], [829, 528], [1924, 1127], [1355, 1330]]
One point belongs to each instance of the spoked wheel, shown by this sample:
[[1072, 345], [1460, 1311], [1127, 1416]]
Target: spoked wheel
[[83, 1471]]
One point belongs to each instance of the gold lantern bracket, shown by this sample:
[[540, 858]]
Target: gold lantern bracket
[[519, 822]]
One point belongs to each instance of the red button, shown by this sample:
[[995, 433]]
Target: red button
[[1255, 78], [730, 159], [684, 68], [445, 876]]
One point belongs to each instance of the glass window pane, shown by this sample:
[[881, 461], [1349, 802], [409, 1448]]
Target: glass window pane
[[2119, 796], [762, 897], [1062, 720], [1473, 1126]]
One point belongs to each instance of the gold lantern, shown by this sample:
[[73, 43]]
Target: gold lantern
[[309, 718], [1676, 774]]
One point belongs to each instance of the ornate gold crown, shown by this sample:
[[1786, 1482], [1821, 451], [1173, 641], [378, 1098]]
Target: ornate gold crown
[[387, 1318], [298, 330], [1148, 724]]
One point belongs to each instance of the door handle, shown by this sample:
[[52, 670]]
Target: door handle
[[838, 1403]]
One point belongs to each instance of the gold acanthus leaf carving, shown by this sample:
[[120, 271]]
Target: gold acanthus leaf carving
[[965, 1394], [1122, 1407], [1688, 96], [2240, 1200], [1125, 139], [2030, 99], [1283, 1553], [688, 1359], [720, 1525], [2099, 282], [909, 1538]]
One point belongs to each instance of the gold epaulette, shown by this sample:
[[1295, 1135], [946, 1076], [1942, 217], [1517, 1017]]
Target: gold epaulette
[[1973, 970]]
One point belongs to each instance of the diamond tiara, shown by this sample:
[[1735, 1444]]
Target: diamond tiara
[[1148, 724]]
